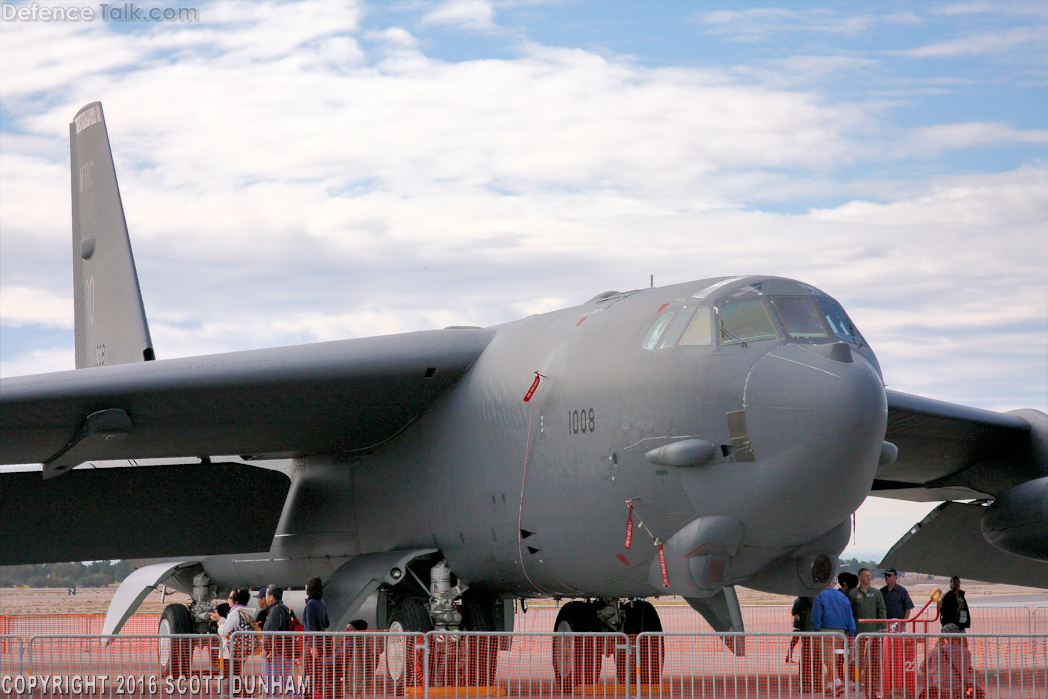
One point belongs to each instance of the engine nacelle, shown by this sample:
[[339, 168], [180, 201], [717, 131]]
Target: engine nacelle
[[1017, 521], [809, 570]]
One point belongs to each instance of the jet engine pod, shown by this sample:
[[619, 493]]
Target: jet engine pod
[[808, 569], [698, 557], [1017, 521]]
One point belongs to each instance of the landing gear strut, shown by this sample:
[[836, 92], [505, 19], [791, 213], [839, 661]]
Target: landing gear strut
[[577, 661], [453, 660]]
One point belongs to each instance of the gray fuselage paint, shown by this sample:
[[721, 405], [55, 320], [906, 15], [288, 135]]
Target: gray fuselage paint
[[454, 479]]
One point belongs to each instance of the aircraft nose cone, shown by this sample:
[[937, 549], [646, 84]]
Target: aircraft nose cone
[[815, 418]]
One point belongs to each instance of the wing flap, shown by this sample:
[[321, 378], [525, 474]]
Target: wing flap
[[949, 542], [143, 512], [329, 397]]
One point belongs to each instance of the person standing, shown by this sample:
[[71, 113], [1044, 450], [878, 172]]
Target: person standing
[[954, 607], [279, 650], [831, 611], [897, 600], [237, 618], [868, 603], [314, 619], [810, 662]]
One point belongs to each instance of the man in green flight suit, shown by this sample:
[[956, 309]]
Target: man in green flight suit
[[868, 603]]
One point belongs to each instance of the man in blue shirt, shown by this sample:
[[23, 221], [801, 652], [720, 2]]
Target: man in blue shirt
[[832, 611], [897, 600]]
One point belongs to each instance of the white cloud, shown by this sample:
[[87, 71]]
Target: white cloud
[[474, 15], [26, 305], [762, 23], [39, 362], [929, 139], [986, 43]]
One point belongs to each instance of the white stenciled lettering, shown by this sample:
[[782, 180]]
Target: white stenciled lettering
[[89, 299], [85, 175], [88, 118]]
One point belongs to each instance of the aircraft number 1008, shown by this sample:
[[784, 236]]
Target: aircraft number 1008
[[581, 421]]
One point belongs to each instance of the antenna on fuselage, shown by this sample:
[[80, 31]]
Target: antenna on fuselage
[[653, 281]]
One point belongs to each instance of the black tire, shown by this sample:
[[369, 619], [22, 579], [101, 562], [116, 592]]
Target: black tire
[[642, 617], [576, 661], [404, 662], [482, 652], [175, 654]]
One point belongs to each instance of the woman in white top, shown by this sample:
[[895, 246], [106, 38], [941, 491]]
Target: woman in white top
[[238, 619]]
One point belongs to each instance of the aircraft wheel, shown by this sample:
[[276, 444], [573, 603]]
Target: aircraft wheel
[[175, 654], [576, 661], [482, 652], [642, 617], [404, 661]]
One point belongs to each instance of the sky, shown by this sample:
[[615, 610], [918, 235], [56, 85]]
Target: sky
[[304, 171]]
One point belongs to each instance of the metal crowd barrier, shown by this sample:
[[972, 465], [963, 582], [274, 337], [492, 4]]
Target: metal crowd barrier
[[1040, 620], [540, 619], [28, 625], [948, 666], [11, 662], [121, 666], [522, 664]]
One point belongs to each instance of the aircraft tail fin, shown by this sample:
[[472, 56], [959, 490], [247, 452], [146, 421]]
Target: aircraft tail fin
[[109, 317]]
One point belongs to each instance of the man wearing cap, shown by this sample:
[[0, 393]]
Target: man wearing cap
[[897, 602], [263, 608]]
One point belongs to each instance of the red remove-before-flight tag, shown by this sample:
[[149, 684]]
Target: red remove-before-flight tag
[[662, 567], [629, 527], [531, 391]]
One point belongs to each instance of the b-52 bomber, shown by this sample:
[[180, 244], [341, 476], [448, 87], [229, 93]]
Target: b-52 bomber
[[678, 440]]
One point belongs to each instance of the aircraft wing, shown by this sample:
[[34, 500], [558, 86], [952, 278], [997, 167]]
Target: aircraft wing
[[330, 397], [953, 452], [949, 542]]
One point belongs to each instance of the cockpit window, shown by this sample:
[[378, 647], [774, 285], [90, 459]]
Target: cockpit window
[[656, 330], [674, 330], [745, 321], [800, 316], [699, 331], [839, 322]]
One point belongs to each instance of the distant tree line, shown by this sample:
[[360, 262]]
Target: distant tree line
[[90, 574], [852, 565]]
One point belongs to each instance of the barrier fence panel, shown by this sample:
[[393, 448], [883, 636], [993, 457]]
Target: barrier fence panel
[[996, 619], [326, 665], [744, 665], [1001, 619], [11, 659], [434, 664], [675, 618], [1040, 620], [29, 625], [941, 666], [124, 666]]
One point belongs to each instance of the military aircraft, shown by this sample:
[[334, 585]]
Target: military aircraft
[[678, 440]]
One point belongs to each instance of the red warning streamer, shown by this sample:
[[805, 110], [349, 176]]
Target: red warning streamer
[[534, 385], [629, 526], [662, 567]]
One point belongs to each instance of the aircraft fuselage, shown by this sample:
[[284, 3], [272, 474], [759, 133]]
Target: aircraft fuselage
[[530, 497]]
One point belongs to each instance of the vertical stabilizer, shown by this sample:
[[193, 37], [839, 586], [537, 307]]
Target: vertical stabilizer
[[109, 317]]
